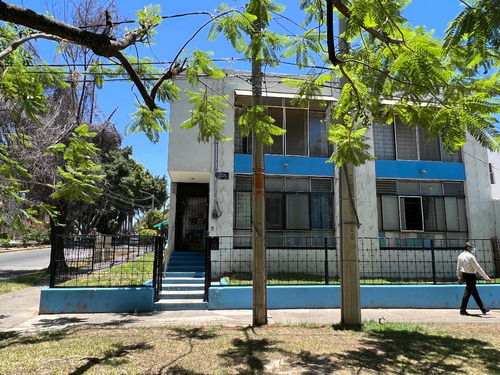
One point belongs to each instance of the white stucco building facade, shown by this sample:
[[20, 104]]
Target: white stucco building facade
[[412, 191]]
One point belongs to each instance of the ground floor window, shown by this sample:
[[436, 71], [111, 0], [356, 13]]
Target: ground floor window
[[292, 203], [421, 206]]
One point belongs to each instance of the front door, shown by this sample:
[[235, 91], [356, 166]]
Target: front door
[[194, 223]]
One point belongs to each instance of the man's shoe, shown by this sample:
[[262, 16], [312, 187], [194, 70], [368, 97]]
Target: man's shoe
[[484, 311], [463, 312]]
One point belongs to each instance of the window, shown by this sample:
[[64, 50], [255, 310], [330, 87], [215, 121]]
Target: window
[[418, 206], [396, 141], [306, 130], [291, 203], [318, 134]]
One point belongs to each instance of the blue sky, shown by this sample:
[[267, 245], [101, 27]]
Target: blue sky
[[172, 34]]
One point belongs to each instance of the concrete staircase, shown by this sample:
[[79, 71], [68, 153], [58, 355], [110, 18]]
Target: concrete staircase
[[183, 284]]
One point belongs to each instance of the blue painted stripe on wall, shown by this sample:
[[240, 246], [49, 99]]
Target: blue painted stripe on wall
[[99, 300], [372, 296], [286, 165], [414, 169]]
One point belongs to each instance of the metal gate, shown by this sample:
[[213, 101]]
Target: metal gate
[[194, 223]]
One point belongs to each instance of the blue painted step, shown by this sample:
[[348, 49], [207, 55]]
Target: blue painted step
[[183, 284]]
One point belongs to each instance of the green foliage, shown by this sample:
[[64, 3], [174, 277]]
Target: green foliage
[[24, 80], [151, 123], [351, 142], [80, 172], [201, 63], [257, 120], [308, 89], [475, 32], [148, 232], [207, 114], [233, 27], [149, 18]]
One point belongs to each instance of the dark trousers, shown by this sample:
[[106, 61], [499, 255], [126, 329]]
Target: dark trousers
[[470, 289]]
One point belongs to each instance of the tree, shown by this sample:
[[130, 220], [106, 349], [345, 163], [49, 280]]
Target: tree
[[126, 190]]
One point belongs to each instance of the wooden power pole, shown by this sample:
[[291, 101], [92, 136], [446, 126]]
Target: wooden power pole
[[258, 204]]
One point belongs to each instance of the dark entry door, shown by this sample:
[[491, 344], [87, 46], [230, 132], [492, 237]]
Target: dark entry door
[[194, 223]]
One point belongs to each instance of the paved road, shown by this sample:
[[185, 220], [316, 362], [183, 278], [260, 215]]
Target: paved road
[[16, 263]]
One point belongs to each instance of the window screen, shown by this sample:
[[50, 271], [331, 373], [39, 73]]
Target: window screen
[[429, 149], [274, 211], [318, 135], [390, 213], [277, 147], [243, 210], [296, 132], [383, 139], [297, 211], [321, 211], [406, 141]]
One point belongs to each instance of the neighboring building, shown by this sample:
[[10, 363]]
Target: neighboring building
[[413, 190]]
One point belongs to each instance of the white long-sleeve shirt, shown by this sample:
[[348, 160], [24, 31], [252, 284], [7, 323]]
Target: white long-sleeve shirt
[[467, 263]]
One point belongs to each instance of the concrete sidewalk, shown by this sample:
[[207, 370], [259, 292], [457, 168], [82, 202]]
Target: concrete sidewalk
[[19, 312]]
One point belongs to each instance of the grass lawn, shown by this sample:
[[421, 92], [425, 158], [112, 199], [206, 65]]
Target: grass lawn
[[24, 281], [388, 348]]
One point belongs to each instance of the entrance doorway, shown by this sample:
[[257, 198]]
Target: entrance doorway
[[192, 215]]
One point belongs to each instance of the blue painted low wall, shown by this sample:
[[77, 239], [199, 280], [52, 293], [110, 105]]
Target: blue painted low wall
[[99, 300], [372, 296]]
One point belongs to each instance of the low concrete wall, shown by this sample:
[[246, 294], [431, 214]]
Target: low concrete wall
[[372, 296], [100, 300]]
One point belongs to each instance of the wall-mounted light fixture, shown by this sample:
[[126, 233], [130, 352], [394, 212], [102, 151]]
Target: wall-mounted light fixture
[[285, 165], [423, 171]]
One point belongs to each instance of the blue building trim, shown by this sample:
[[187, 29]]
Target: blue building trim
[[372, 296], [286, 165], [422, 170], [98, 300]]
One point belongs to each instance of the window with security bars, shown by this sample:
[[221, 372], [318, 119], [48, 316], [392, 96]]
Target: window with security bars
[[306, 129], [291, 203], [421, 206], [396, 141]]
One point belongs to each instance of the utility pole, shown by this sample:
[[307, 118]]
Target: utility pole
[[349, 275], [258, 203]]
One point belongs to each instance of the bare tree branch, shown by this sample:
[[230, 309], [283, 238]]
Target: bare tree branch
[[21, 41]]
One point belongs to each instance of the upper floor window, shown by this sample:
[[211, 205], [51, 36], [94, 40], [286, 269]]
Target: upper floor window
[[306, 129], [397, 141]]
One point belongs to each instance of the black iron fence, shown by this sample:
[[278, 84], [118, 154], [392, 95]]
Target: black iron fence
[[107, 261], [315, 260]]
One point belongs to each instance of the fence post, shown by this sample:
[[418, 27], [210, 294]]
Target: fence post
[[155, 268], [53, 259], [496, 256], [208, 266], [433, 263], [326, 262]]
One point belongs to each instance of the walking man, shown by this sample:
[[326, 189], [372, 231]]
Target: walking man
[[467, 266]]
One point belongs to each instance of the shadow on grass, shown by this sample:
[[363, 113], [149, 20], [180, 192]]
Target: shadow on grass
[[114, 356], [9, 338], [190, 335], [249, 355], [390, 349], [395, 348]]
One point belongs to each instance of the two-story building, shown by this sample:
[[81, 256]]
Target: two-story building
[[413, 190]]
